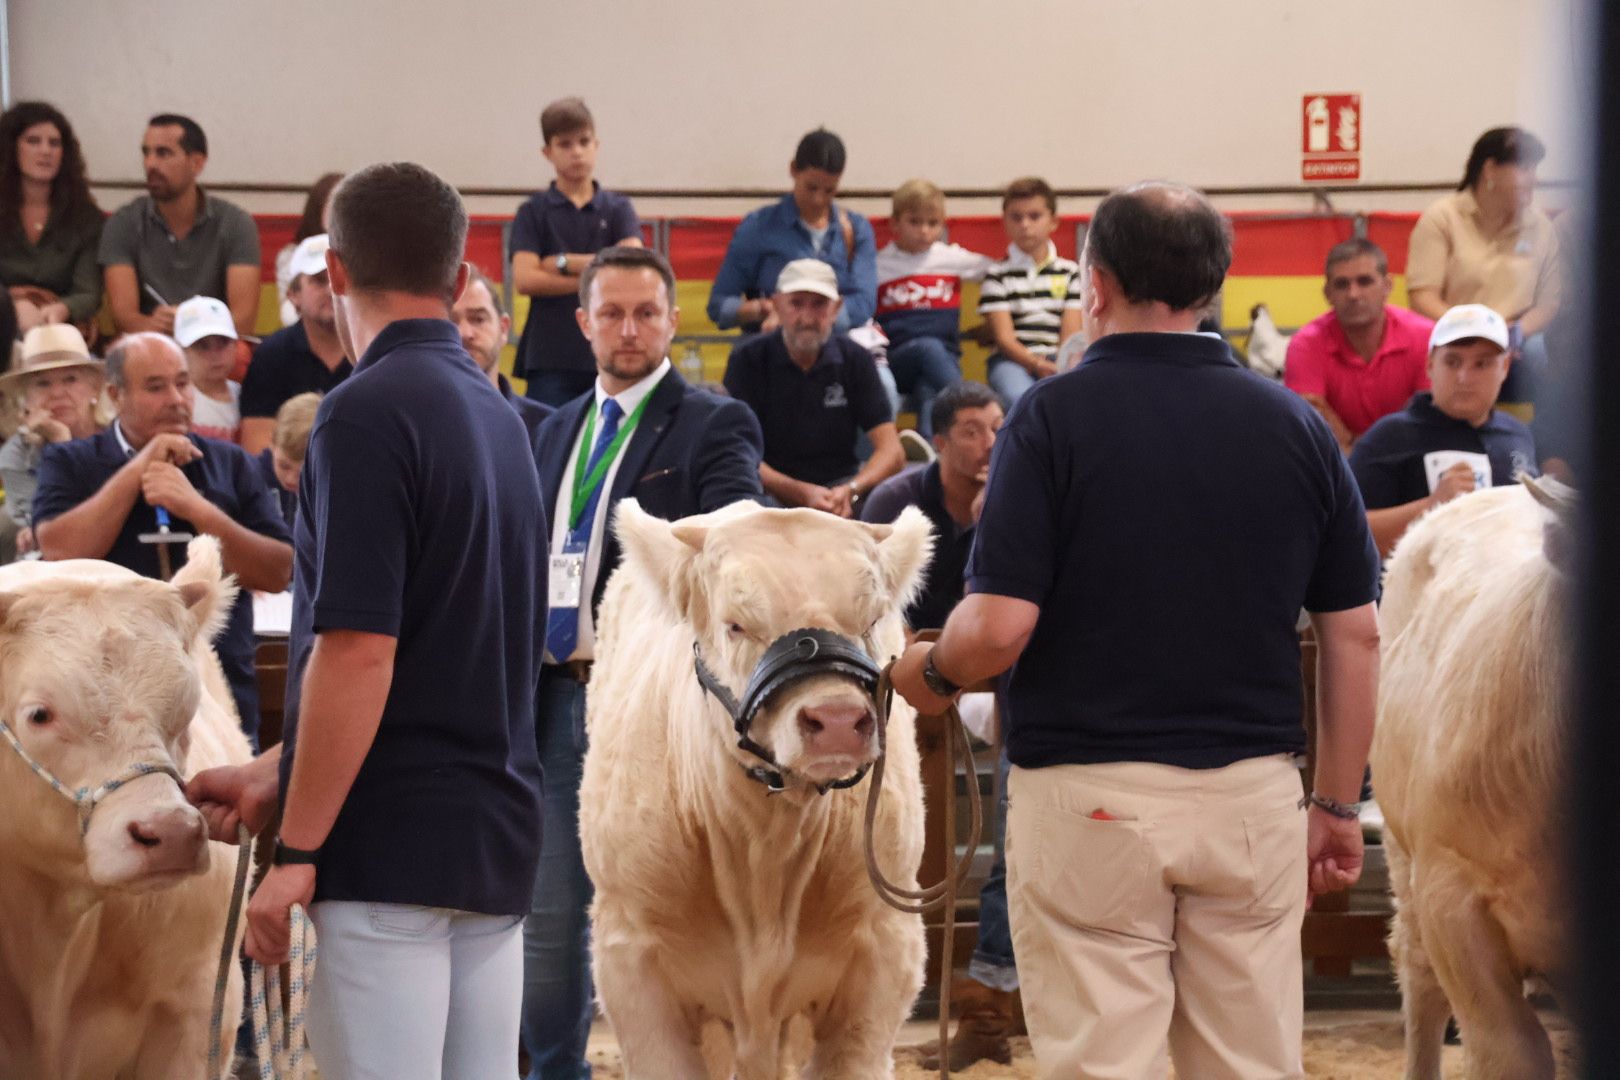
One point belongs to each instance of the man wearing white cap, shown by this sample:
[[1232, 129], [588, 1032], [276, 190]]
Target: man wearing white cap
[[814, 392], [203, 327], [1450, 440], [306, 356]]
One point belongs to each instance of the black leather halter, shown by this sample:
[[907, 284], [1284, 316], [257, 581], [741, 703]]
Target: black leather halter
[[791, 658]]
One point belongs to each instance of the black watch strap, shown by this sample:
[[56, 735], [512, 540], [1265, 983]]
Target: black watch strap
[[291, 856], [938, 683]]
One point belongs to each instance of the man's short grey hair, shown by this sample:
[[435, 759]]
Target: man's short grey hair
[[119, 353]]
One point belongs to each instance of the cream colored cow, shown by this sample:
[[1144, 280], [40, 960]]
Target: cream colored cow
[[110, 930], [1469, 764], [729, 922]]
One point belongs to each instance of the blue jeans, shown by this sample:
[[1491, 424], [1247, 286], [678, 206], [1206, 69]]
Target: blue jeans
[[1007, 378], [993, 963], [558, 388], [923, 367], [557, 991]]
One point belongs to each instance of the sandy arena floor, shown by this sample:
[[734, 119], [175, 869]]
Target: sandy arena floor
[[1352, 1045]]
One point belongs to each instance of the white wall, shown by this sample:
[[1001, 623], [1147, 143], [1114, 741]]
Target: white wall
[[714, 93]]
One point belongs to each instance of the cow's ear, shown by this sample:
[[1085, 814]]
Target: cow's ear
[[903, 552], [659, 550], [205, 590]]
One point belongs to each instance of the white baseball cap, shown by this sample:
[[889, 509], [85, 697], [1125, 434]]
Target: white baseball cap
[[309, 257], [200, 317], [808, 275], [1469, 321]]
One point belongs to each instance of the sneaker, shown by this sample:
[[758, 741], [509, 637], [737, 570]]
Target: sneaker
[[917, 449]]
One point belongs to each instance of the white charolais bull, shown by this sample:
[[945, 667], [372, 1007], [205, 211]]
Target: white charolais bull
[[110, 930], [1469, 764], [731, 926]]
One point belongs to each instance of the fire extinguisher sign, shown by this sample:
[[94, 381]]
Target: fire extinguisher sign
[[1330, 138]]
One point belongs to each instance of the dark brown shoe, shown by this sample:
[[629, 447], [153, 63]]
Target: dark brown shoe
[[986, 1019]]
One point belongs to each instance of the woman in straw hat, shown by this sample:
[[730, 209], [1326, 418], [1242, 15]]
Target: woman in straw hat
[[60, 387]]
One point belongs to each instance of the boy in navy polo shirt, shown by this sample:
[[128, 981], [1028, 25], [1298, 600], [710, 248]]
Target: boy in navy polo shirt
[[1154, 522], [555, 235], [1450, 440], [409, 784]]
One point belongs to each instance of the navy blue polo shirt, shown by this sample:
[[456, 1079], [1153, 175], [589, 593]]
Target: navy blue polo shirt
[[419, 517], [71, 472], [1170, 513], [809, 418], [1389, 461], [549, 224], [920, 486], [284, 366]]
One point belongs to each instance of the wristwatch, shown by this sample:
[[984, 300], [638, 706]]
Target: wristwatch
[[562, 264], [291, 856], [937, 683]]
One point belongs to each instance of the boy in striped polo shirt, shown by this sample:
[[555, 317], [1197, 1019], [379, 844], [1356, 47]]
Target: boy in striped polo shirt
[[1031, 300]]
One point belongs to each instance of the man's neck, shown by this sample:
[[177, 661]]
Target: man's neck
[[578, 192], [494, 376], [960, 491], [1365, 340], [802, 361], [180, 212], [372, 313], [1146, 319], [324, 343]]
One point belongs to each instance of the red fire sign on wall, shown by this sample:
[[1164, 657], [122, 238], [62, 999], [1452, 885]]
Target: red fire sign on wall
[[1330, 138]]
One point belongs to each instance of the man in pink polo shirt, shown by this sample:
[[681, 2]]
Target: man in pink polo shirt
[[1364, 358]]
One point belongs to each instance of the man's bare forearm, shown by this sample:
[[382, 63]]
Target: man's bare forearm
[[1346, 699], [89, 530]]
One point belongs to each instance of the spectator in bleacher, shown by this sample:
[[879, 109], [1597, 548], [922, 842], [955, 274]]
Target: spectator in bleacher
[[966, 418], [203, 327], [814, 391], [96, 496], [919, 302], [1031, 299], [555, 236], [805, 224], [312, 222], [50, 225], [1486, 244], [1448, 441], [1364, 357], [306, 356], [177, 241], [283, 460], [484, 325], [59, 384]]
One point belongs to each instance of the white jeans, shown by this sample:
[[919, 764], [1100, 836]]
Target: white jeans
[[403, 992]]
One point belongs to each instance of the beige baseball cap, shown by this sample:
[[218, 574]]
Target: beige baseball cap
[[1469, 321], [808, 275], [200, 317]]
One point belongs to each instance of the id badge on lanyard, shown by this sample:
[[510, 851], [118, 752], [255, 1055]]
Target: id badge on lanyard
[[565, 582]]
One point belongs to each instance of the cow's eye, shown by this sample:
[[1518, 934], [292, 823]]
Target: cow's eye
[[38, 715], [735, 630]]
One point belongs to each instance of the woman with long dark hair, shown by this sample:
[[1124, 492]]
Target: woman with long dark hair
[[50, 224], [1487, 244]]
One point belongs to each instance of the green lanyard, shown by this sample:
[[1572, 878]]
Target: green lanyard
[[586, 486]]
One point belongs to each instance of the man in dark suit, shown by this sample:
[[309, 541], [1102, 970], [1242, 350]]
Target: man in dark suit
[[642, 433]]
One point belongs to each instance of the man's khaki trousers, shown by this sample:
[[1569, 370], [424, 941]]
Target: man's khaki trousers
[[1156, 914]]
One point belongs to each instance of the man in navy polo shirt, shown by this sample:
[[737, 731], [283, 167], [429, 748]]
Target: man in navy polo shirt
[[410, 786], [96, 496], [1153, 524], [555, 235], [1450, 440], [814, 391], [641, 433]]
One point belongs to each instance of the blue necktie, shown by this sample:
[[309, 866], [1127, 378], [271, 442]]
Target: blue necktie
[[562, 624]]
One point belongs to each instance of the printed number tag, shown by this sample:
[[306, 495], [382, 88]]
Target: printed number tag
[[565, 580]]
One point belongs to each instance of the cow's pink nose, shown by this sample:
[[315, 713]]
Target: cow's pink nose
[[837, 729], [170, 838]]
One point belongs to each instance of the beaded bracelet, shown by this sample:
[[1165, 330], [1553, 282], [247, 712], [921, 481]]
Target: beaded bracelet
[[1342, 811]]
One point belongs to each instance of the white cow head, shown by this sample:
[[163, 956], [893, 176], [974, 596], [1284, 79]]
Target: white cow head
[[742, 577], [97, 674]]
